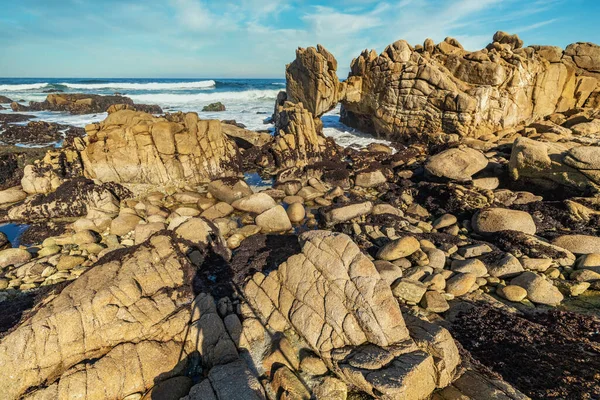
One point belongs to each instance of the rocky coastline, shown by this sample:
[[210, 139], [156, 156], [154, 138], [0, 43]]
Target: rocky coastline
[[460, 262]]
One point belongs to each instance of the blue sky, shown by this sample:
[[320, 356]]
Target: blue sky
[[256, 38]]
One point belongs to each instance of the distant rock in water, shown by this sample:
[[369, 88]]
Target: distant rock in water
[[442, 92], [218, 106], [4, 99], [53, 91], [83, 104], [18, 107]]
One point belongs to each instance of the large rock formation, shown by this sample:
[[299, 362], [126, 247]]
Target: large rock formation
[[551, 166], [311, 79], [432, 91], [131, 323], [299, 139], [84, 104], [332, 296]]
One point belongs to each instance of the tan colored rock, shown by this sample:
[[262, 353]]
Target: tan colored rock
[[456, 164], [13, 257], [346, 213], [138, 148], [539, 290], [67, 262], [144, 231], [219, 210], [398, 248], [274, 220], [12, 195], [255, 203], [296, 212], [299, 139], [460, 284], [578, 244], [370, 179], [229, 191], [553, 166], [124, 224], [488, 221], [311, 79]]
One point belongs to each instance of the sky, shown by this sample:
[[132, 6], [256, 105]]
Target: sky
[[256, 38]]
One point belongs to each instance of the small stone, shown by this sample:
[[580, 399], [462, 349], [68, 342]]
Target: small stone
[[255, 203], [456, 164], [409, 290], [12, 195], [512, 293], [274, 220], [370, 179], [435, 282], [436, 257], [398, 248], [539, 290], [473, 266], [124, 224], [85, 236], [434, 302], [589, 261], [293, 199], [313, 366], [347, 213], [309, 193], [536, 264], [491, 220], [584, 275], [49, 251], [13, 257], [388, 271], [578, 244], [387, 209], [506, 267], [67, 262], [144, 231], [331, 389], [296, 212], [187, 211], [444, 221], [460, 284], [219, 210], [474, 250]]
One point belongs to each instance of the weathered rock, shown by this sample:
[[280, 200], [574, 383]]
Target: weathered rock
[[539, 290], [370, 179], [443, 90], [124, 224], [299, 139], [255, 203], [409, 290], [212, 107], [76, 103], [296, 212], [458, 164], [512, 293], [13, 257], [12, 195], [491, 220], [552, 166], [578, 244], [460, 284], [398, 248], [434, 302], [229, 190], [274, 220], [337, 215], [506, 267], [311, 79], [219, 210], [178, 149]]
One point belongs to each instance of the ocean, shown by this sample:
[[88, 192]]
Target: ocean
[[248, 101]]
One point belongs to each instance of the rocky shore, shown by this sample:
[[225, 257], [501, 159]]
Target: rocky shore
[[461, 262]]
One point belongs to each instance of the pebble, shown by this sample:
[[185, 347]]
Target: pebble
[[460, 284], [512, 293], [398, 248]]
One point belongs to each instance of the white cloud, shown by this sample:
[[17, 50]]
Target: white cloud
[[325, 20]]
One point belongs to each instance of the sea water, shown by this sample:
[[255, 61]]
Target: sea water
[[247, 101]]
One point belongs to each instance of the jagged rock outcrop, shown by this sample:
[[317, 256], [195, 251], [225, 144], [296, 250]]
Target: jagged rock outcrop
[[130, 324], [311, 79], [77, 103], [178, 149], [551, 166], [433, 91], [74, 198], [332, 296], [299, 139]]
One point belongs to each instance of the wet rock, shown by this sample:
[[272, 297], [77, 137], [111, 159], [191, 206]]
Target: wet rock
[[76, 103], [218, 106], [491, 220]]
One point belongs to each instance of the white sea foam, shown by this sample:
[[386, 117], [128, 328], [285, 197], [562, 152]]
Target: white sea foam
[[344, 135], [143, 86], [19, 88], [174, 99]]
